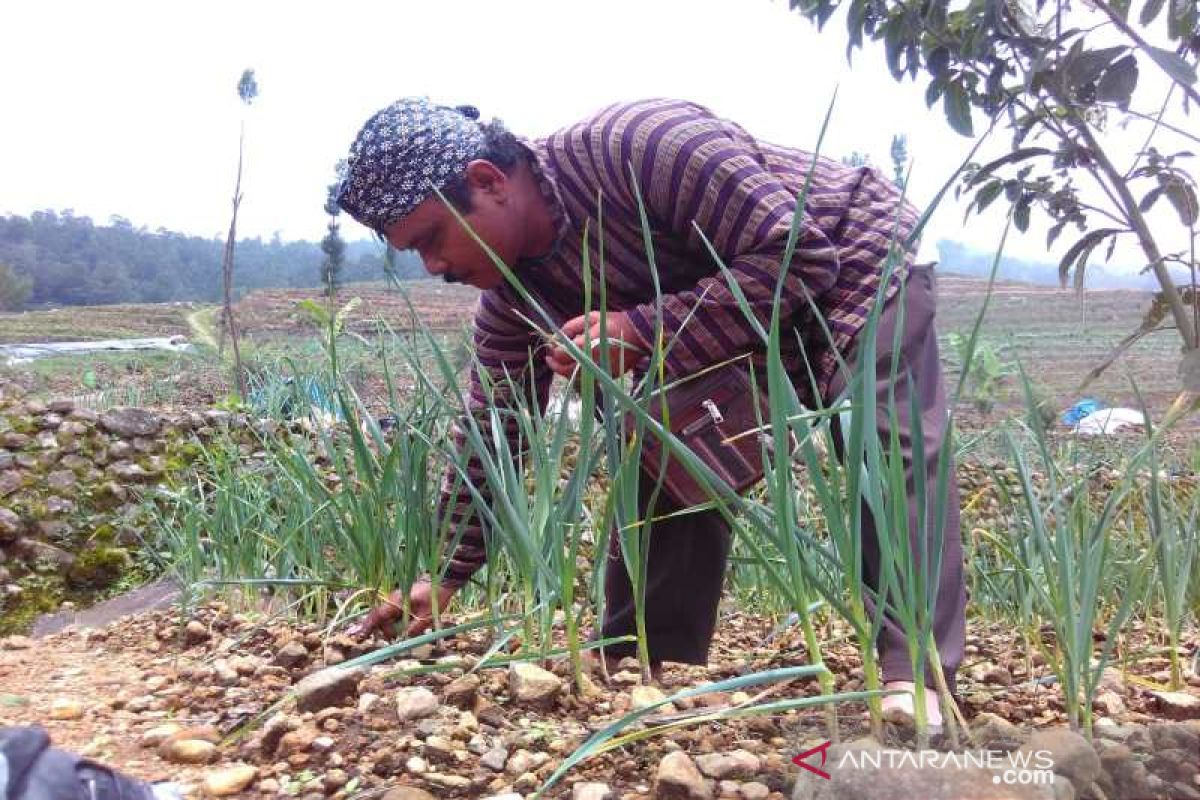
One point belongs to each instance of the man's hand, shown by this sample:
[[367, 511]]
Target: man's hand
[[625, 345], [420, 607]]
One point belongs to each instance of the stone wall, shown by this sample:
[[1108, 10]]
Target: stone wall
[[73, 482]]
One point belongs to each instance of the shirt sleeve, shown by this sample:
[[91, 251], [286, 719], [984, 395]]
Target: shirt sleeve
[[696, 171], [505, 348]]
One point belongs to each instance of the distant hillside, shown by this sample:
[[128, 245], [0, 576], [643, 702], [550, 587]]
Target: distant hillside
[[960, 258], [71, 260]]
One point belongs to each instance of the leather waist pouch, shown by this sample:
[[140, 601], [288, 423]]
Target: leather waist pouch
[[716, 414]]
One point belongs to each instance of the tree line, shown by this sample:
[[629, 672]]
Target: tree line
[[58, 258]]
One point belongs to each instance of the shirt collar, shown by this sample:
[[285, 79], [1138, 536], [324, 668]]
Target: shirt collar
[[543, 173]]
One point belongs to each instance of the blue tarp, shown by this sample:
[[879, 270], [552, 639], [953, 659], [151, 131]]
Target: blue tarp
[[1080, 410]]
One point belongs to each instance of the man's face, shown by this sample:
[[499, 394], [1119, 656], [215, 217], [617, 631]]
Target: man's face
[[447, 248]]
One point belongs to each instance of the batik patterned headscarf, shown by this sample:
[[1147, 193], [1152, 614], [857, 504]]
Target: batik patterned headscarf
[[402, 153]]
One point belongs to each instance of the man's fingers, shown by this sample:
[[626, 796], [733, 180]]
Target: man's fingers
[[560, 363], [573, 327]]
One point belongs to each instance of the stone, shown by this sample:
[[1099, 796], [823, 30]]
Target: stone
[[59, 506], [33, 550], [128, 471], [1128, 774], [1072, 755], [645, 696], [46, 440], [461, 692], [10, 526], [16, 643], [159, 734], [11, 440], [130, 422], [54, 530], [273, 732], [591, 791], [407, 793], [490, 713], [467, 723], [335, 779], [64, 406], [1175, 737], [454, 783], [299, 740], [111, 492], [991, 730], [521, 762], [291, 655], [66, 708], [328, 687], [1181, 791], [10, 481], [494, 759], [1105, 728], [1176, 765], [195, 632], [753, 790], [415, 702], [1111, 680], [417, 765], [62, 480], [119, 451], [1177, 705], [678, 778], [228, 781], [189, 751], [50, 422], [734, 764], [531, 685], [439, 748]]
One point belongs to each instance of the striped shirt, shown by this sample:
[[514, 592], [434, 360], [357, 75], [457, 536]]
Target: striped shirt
[[700, 178]]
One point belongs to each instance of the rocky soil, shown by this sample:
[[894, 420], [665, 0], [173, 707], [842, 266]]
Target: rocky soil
[[226, 703]]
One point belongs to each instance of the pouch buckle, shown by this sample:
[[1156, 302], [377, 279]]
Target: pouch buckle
[[713, 411]]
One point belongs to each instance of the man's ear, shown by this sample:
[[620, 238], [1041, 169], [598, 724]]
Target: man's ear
[[486, 177]]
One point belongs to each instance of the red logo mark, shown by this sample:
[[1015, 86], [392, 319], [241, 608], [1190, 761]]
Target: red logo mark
[[799, 761]]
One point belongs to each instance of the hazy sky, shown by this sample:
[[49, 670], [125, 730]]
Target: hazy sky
[[130, 108]]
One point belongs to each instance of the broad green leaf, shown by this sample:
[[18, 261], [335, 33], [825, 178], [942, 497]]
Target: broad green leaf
[[1183, 197], [1021, 214], [1174, 65], [985, 196], [1150, 199], [1150, 11], [1088, 66], [933, 92], [1080, 251], [1182, 19], [938, 61], [1055, 231], [1118, 82], [1011, 158], [958, 109]]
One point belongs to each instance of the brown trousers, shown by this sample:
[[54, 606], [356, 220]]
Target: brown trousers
[[688, 554]]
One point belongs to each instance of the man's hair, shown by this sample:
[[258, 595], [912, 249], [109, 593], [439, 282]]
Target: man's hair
[[502, 149]]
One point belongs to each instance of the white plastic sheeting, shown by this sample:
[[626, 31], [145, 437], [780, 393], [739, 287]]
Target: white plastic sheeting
[[1109, 420], [22, 353]]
